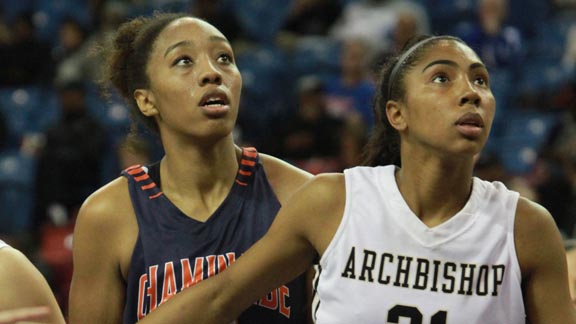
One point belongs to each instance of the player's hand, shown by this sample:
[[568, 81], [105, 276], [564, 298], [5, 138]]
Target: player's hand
[[23, 314]]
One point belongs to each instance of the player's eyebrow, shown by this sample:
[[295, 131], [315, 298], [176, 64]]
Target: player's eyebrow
[[190, 43], [473, 66]]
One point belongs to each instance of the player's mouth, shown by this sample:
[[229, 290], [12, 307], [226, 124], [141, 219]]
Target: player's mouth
[[215, 103], [470, 125]]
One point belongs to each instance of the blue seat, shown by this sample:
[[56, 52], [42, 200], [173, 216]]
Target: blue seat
[[16, 191], [262, 68], [549, 39], [261, 19], [527, 14], [516, 158], [50, 13], [22, 108], [541, 76], [316, 55], [525, 135], [266, 89]]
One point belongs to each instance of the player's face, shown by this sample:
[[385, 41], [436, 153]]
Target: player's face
[[449, 106], [195, 83]]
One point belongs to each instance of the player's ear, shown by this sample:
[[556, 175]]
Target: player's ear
[[395, 114], [146, 102]]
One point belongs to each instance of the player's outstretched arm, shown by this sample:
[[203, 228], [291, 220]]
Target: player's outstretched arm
[[25, 293], [287, 250]]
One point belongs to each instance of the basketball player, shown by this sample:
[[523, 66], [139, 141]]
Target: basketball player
[[24, 293], [160, 228], [420, 242]]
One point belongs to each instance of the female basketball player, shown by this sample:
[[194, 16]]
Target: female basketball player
[[24, 294], [424, 242], [161, 228]]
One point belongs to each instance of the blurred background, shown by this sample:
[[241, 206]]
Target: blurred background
[[309, 69]]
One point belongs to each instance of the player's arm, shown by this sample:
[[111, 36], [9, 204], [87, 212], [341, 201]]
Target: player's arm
[[28, 314], [542, 259], [97, 293], [285, 252], [286, 179], [25, 293], [571, 260]]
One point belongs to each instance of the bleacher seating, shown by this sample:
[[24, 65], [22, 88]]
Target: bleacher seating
[[16, 191], [525, 134]]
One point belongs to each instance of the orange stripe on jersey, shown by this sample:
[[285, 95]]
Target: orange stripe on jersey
[[145, 176], [245, 173], [148, 186], [156, 195], [248, 162], [241, 183], [250, 152], [134, 170]]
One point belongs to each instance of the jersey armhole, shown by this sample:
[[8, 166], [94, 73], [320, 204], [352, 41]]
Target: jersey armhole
[[512, 205], [345, 219]]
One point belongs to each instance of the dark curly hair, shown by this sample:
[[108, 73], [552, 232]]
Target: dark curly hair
[[127, 58]]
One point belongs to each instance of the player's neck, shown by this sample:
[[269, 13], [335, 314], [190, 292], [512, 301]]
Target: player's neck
[[200, 168], [434, 192]]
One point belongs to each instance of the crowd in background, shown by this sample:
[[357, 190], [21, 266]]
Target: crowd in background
[[308, 69]]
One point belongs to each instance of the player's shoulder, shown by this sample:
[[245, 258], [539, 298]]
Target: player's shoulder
[[534, 231], [16, 270], [328, 181], [105, 204], [284, 177], [530, 215], [323, 189], [13, 262], [278, 167]]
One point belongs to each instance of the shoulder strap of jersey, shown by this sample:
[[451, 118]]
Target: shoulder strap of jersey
[[247, 166], [143, 180]]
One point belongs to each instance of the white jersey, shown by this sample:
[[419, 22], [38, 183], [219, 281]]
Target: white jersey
[[3, 244], [385, 266]]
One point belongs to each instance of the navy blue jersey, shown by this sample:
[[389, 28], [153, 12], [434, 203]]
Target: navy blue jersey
[[174, 251]]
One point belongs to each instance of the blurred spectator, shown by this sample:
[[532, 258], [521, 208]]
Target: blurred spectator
[[374, 20], [556, 181], [350, 93], [71, 36], [24, 59], [69, 54], [84, 64], [69, 163], [68, 170], [498, 44], [500, 47], [217, 14], [569, 59], [405, 27], [489, 167], [310, 135], [555, 192], [5, 34], [312, 17]]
